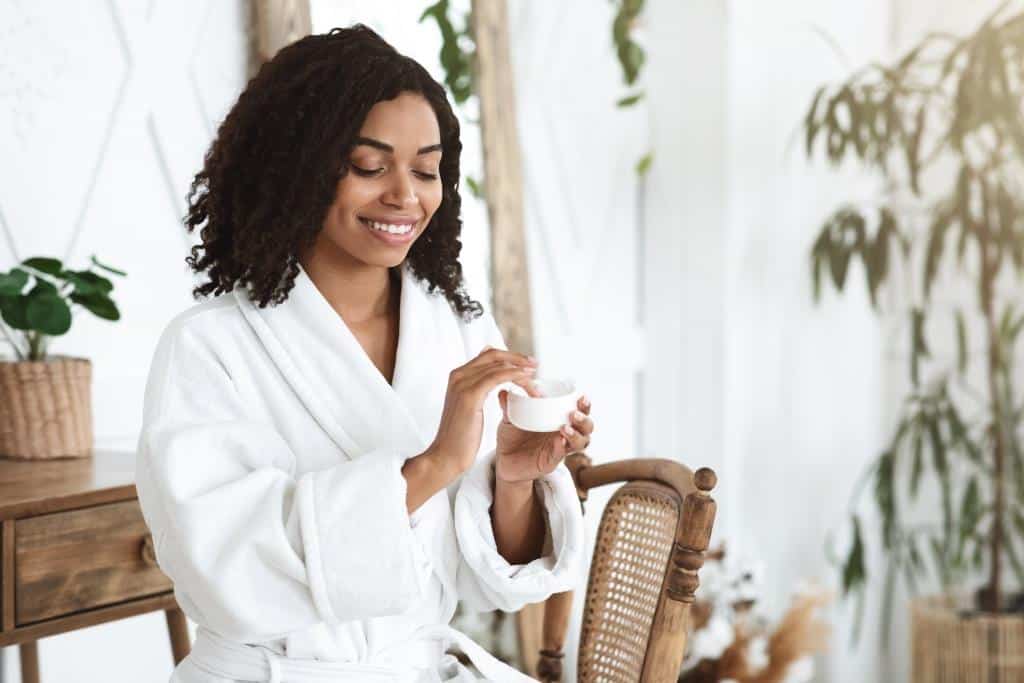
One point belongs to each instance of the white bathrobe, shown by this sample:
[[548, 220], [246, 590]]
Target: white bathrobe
[[269, 472]]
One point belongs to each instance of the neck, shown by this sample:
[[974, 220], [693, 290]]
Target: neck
[[357, 291]]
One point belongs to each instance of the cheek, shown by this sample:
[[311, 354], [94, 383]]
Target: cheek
[[350, 196], [432, 198]]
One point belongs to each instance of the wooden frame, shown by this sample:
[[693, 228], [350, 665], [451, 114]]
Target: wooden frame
[[667, 639], [75, 552]]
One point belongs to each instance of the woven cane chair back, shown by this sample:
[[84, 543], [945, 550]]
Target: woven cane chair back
[[631, 554], [643, 574]]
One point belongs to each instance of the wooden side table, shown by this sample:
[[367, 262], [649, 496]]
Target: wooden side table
[[76, 553]]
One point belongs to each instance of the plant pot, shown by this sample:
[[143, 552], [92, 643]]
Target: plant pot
[[46, 408], [951, 643]]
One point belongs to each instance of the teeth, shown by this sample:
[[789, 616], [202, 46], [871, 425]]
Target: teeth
[[393, 229]]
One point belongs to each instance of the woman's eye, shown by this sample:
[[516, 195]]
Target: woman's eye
[[365, 171], [370, 172]]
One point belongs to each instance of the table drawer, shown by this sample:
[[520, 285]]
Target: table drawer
[[67, 562]]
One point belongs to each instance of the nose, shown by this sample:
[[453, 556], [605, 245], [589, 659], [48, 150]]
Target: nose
[[400, 192]]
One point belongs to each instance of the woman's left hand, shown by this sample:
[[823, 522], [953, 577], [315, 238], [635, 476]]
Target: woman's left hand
[[525, 456]]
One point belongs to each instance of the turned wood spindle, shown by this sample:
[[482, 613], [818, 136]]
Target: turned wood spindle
[[688, 553]]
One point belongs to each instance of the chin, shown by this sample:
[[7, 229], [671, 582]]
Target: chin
[[388, 259]]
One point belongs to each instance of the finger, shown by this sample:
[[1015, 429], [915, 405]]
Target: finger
[[582, 423], [488, 380], [490, 354], [583, 404], [559, 449], [503, 401], [484, 371], [528, 386], [577, 441]]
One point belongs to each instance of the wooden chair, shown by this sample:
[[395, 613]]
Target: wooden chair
[[650, 544]]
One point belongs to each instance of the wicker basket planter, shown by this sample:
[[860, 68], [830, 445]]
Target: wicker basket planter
[[46, 408], [950, 645]]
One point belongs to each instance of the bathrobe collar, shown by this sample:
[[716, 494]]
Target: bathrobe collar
[[334, 377]]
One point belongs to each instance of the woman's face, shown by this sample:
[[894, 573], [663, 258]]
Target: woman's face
[[392, 188]]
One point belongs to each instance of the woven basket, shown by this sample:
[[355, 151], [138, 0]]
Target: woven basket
[[979, 648], [46, 408]]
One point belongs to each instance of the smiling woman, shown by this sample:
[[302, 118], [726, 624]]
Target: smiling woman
[[307, 139], [393, 189], [325, 461]]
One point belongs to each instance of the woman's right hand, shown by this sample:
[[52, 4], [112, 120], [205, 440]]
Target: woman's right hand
[[462, 420]]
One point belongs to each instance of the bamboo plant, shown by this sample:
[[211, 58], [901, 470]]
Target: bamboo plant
[[943, 128], [458, 48], [39, 296]]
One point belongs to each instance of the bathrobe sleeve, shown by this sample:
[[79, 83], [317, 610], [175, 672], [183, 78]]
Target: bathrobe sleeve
[[254, 551], [486, 580]]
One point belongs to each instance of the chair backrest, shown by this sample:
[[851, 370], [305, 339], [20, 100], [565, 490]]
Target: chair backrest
[[649, 545]]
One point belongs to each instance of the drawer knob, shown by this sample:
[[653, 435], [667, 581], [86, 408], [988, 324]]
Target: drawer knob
[[147, 551]]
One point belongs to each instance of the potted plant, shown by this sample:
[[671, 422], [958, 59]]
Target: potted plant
[[943, 128], [45, 401]]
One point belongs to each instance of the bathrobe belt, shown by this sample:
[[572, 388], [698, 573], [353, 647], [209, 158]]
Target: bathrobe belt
[[241, 662]]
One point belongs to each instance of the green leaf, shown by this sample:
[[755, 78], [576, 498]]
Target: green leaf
[[13, 311], [838, 261], [80, 285], [884, 498], [917, 468], [629, 100], [13, 282], [50, 266], [644, 164], [885, 633], [474, 187], [970, 513], [918, 344], [819, 255], [49, 314], [98, 304], [961, 342], [913, 150], [42, 287], [938, 447], [811, 124], [941, 464], [933, 253], [854, 573], [94, 282], [433, 10], [876, 258], [1018, 521]]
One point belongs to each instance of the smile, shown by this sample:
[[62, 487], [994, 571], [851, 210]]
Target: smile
[[394, 229]]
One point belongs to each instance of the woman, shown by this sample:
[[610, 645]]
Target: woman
[[323, 464]]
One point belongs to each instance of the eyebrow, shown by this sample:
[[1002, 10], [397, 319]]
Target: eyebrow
[[385, 147]]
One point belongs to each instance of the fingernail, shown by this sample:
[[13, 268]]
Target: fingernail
[[569, 430], [532, 359], [529, 370]]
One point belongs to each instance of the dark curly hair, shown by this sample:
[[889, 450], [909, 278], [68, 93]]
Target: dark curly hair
[[271, 173]]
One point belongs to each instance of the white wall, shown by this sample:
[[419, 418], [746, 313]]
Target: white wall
[[787, 400], [106, 109], [803, 382]]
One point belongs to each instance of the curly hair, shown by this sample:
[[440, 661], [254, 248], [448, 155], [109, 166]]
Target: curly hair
[[271, 174]]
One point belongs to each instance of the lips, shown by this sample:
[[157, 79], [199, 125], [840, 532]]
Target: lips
[[391, 233]]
